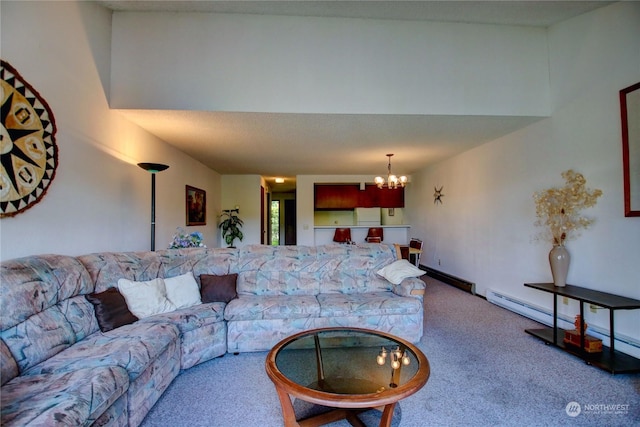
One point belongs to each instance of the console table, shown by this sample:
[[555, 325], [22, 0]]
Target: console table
[[609, 359]]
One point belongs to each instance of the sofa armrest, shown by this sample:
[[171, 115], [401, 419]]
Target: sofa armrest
[[410, 287]]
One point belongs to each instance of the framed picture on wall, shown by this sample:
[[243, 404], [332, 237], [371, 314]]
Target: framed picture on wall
[[196, 206]]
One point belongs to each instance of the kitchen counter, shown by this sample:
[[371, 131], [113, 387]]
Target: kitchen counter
[[392, 233]]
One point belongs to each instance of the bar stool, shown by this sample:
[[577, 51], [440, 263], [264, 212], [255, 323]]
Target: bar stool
[[375, 235], [342, 235]]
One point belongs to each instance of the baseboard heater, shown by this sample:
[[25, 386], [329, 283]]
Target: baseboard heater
[[449, 279], [545, 316]]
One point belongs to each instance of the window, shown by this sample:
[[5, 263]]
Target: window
[[275, 222]]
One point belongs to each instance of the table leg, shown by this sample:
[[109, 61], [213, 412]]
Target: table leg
[[288, 413], [387, 415], [611, 329], [555, 319]]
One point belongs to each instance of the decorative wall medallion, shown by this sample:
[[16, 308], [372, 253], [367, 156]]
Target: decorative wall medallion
[[437, 195], [28, 150]]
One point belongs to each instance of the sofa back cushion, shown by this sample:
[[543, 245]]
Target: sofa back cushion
[[278, 270], [42, 309], [105, 269], [8, 365], [310, 270], [352, 269]]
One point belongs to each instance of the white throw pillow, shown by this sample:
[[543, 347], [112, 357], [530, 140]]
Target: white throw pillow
[[145, 298], [183, 290], [399, 270]]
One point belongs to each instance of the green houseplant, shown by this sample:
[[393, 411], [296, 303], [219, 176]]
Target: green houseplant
[[230, 225]]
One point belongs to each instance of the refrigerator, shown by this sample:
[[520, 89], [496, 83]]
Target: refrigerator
[[367, 216]]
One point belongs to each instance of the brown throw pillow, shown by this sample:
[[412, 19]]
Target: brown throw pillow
[[111, 309], [218, 288]]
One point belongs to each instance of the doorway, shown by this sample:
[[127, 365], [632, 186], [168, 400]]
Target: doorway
[[282, 219], [290, 223]]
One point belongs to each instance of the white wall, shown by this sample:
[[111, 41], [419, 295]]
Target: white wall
[[227, 62], [243, 191], [484, 229], [99, 199]]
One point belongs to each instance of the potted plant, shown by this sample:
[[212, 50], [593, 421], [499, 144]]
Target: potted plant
[[230, 226]]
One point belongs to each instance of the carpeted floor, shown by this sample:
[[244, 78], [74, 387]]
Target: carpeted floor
[[485, 371]]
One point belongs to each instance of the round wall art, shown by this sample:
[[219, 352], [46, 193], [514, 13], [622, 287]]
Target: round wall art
[[27, 144]]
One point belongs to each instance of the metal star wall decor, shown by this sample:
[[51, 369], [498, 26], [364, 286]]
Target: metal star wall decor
[[437, 195], [28, 150]]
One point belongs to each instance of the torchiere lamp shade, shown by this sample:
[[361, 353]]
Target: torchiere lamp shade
[[153, 168]]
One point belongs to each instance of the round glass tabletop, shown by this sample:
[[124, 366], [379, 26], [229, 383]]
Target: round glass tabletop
[[347, 361]]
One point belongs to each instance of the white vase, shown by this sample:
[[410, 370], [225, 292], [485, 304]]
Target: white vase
[[559, 259]]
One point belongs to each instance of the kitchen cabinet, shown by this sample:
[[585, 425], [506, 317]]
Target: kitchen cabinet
[[336, 196], [349, 196], [390, 198]]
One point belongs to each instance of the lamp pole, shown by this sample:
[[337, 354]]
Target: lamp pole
[[153, 168]]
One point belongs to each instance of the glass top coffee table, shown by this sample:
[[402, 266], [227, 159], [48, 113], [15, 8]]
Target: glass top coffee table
[[349, 369]]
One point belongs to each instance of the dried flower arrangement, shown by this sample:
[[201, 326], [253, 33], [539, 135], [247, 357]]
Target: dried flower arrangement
[[558, 209]]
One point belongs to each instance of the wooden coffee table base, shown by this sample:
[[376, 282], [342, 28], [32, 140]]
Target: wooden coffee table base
[[350, 414]]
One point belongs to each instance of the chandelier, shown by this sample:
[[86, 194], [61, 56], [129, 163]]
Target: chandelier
[[392, 180], [397, 359]]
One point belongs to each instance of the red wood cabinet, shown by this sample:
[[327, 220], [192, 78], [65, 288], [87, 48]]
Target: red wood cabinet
[[336, 196], [349, 196], [390, 198]]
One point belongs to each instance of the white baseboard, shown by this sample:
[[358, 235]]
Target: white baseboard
[[542, 315]]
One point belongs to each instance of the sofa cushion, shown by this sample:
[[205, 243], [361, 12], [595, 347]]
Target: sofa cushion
[[352, 269], [366, 304], [33, 284], [182, 290], [71, 398], [39, 337], [278, 270], [399, 270], [188, 319], [145, 298], [80, 314], [250, 307], [111, 309], [218, 288], [133, 347], [106, 268], [8, 365]]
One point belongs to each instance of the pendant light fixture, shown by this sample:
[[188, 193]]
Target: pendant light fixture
[[392, 180]]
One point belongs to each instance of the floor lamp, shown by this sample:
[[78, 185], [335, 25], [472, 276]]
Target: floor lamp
[[153, 168]]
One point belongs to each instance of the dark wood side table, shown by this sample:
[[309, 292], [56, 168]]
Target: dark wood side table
[[609, 359]]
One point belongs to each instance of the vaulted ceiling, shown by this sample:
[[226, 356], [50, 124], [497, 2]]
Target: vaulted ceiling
[[274, 144]]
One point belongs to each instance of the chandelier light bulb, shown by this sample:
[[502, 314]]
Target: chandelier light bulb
[[405, 359]]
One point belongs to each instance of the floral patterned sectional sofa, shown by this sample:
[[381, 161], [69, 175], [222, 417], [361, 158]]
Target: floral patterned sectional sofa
[[72, 353]]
